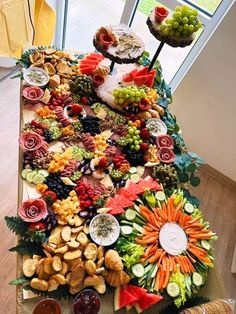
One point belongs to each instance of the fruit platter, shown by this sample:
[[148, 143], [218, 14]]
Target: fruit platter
[[105, 214], [176, 28]]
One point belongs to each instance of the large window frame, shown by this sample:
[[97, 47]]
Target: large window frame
[[210, 22]]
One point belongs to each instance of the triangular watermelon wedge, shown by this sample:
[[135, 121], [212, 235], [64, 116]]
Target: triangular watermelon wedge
[[122, 298], [154, 183], [133, 187], [129, 77], [148, 185], [136, 291], [123, 202], [143, 79], [143, 71], [116, 209], [146, 301], [126, 194], [96, 55], [89, 62]]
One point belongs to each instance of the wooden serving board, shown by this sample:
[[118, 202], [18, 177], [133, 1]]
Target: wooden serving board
[[26, 301]]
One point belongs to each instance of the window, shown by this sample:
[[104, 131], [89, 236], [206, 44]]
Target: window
[[83, 18]]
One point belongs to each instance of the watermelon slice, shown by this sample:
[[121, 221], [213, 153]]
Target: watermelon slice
[[148, 185], [96, 55], [129, 77], [136, 291], [144, 80], [87, 70], [116, 209], [155, 184], [123, 202], [147, 300], [89, 62], [133, 187], [129, 195], [122, 298], [143, 71]]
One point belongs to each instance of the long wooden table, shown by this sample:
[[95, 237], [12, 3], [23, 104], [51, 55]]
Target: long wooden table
[[26, 301]]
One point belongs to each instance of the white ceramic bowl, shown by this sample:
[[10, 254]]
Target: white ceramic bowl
[[27, 80]]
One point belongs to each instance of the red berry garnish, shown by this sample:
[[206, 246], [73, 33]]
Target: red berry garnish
[[84, 101], [145, 134], [49, 196], [144, 147], [76, 108], [37, 226], [103, 162], [144, 105]]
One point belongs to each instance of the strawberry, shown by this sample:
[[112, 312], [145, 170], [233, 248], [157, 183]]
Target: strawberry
[[76, 108], [103, 162], [145, 134], [37, 226], [84, 101], [49, 197], [144, 147]]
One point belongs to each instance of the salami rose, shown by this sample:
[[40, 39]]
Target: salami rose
[[33, 210], [30, 141], [166, 155], [33, 93], [164, 141]]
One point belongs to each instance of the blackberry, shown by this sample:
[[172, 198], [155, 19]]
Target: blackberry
[[48, 136], [55, 184], [135, 158], [90, 125]]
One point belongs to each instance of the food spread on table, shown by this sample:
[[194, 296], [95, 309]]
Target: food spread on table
[[105, 173]]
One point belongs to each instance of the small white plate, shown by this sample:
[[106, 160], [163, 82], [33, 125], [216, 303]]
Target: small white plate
[[25, 73]]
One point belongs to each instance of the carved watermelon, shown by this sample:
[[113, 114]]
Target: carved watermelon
[[87, 69], [136, 291], [123, 202], [133, 187], [129, 77], [146, 301], [122, 298], [129, 195], [116, 209]]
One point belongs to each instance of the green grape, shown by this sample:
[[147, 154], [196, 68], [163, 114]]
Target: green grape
[[140, 141], [185, 27], [136, 142], [194, 12], [132, 147], [175, 25], [180, 28], [166, 32], [130, 131], [121, 100], [137, 132], [137, 147], [171, 21], [134, 138], [177, 15], [172, 32], [132, 99], [130, 140], [137, 99], [191, 28], [177, 9], [162, 27], [185, 20], [192, 18], [196, 28], [167, 21]]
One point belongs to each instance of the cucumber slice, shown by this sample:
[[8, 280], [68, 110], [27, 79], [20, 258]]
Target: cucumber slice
[[173, 289], [46, 122], [188, 282], [25, 172], [139, 221], [205, 244], [54, 123], [140, 170], [154, 271], [38, 178], [43, 172], [138, 270], [160, 196], [29, 177], [133, 170], [126, 230], [126, 176], [147, 268], [189, 208], [130, 214], [138, 227], [197, 279], [135, 177], [127, 223]]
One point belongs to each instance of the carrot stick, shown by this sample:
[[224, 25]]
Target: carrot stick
[[149, 249], [164, 262], [155, 257], [171, 263], [160, 259], [148, 228], [167, 274], [153, 227], [198, 248], [162, 214], [174, 265], [162, 274], [202, 236]]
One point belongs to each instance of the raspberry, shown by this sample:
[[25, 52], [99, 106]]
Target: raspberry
[[145, 134], [144, 147]]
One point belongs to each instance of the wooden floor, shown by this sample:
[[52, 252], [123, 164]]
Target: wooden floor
[[218, 202]]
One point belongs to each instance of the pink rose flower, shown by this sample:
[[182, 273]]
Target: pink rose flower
[[166, 155], [164, 141], [30, 141], [33, 93], [33, 210]]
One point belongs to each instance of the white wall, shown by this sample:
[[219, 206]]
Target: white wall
[[205, 101]]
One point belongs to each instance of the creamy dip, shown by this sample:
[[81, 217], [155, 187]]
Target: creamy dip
[[104, 229], [37, 77], [173, 238]]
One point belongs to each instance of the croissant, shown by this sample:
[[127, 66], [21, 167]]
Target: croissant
[[113, 260], [117, 278]]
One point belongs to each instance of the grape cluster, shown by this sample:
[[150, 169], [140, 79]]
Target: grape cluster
[[55, 184], [135, 158], [183, 23], [128, 94], [132, 139], [90, 125]]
